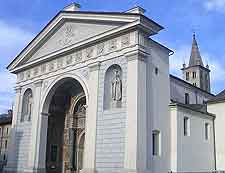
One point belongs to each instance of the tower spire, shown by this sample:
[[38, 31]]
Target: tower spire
[[195, 58]]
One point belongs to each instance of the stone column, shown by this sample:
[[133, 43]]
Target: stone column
[[36, 159], [72, 144], [136, 127], [91, 118], [12, 143]]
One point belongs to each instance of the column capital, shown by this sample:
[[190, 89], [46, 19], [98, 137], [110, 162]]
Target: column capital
[[38, 83], [137, 55], [18, 89], [94, 66]]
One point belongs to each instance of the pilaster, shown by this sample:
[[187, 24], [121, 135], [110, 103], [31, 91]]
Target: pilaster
[[16, 111], [34, 162], [136, 126], [91, 120]]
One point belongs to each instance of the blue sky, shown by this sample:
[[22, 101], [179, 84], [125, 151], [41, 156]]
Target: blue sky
[[21, 20]]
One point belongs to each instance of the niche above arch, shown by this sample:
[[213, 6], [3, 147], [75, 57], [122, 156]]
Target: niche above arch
[[27, 106], [113, 87]]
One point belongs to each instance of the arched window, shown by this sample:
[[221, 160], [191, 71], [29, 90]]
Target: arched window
[[27, 106], [113, 87]]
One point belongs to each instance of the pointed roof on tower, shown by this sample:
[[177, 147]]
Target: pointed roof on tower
[[195, 58]]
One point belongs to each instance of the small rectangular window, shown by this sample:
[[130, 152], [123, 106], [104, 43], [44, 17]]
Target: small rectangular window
[[186, 126], [187, 75], [207, 131], [195, 84], [187, 98], [156, 143]]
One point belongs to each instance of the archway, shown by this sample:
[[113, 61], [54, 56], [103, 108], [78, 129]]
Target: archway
[[66, 126]]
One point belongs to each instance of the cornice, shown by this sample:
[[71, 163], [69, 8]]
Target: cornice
[[137, 55], [86, 43], [83, 56]]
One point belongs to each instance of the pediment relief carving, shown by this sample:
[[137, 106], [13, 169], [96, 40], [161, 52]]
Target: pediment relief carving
[[68, 34]]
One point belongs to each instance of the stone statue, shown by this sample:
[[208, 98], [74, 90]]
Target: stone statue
[[116, 87], [29, 107]]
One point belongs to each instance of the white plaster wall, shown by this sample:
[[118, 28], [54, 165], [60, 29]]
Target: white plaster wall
[[191, 153], [22, 137], [158, 96], [22, 145], [178, 91], [219, 110], [110, 140]]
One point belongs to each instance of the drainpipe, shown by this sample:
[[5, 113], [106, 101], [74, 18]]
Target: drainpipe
[[214, 141]]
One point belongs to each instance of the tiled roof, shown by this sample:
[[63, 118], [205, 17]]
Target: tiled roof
[[218, 98], [5, 119]]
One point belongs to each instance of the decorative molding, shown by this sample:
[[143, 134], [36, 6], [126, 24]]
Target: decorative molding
[[38, 83], [95, 66], [77, 57], [18, 89], [137, 55]]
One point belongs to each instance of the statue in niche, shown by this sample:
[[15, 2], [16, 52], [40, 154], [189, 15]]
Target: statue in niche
[[116, 87], [29, 107]]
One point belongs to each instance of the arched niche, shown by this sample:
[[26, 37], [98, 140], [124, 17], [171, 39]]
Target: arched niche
[[113, 87], [27, 104]]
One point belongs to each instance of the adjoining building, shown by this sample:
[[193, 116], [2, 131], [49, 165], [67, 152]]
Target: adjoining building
[[5, 127], [94, 94]]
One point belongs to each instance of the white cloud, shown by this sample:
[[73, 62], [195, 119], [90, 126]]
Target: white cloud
[[215, 5], [217, 67]]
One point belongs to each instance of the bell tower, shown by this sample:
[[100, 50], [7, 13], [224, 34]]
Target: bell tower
[[196, 73]]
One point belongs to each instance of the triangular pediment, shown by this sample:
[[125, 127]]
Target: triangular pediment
[[69, 33], [69, 29]]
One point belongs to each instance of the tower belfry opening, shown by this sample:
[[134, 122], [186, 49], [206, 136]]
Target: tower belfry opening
[[196, 73]]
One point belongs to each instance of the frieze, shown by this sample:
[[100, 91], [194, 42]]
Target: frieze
[[69, 59], [125, 40], [113, 44], [100, 48], [59, 63], [36, 70], [89, 52], [77, 57], [43, 68], [51, 66]]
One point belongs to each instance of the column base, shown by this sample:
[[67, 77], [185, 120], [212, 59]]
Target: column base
[[88, 170]]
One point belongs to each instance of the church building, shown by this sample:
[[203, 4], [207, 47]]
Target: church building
[[94, 95]]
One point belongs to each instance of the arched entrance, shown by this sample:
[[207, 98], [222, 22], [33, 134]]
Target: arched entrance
[[66, 127]]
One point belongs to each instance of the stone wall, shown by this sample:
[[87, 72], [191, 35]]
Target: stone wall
[[111, 125]]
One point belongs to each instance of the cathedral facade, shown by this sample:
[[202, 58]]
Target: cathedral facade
[[94, 95]]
